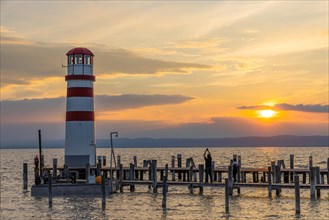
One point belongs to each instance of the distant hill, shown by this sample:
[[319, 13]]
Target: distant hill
[[275, 141]]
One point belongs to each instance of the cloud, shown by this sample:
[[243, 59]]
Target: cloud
[[21, 63], [53, 109], [317, 108]]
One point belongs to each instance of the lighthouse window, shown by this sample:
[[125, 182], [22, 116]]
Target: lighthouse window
[[78, 59], [70, 59], [87, 60]]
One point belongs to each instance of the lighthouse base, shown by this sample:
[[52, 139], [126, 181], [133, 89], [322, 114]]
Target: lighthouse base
[[77, 160]]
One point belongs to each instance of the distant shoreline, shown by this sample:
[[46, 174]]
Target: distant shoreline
[[271, 141]]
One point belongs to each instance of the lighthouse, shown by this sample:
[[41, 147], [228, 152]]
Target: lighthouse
[[80, 143]]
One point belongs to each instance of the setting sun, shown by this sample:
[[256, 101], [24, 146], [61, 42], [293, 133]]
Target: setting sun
[[267, 113]]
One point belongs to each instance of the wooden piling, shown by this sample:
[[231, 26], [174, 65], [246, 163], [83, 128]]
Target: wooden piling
[[99, 167], [150, 175], [312, 183], [230, 179], [269, 182], [55, 168], [227, 208], [278, 180], [25, 180], [118, 163], [238, 179], [42, 164], [173, 165], [201, 172], [50, 191], [121, 177], [132, 176], [135, 161], [179, 164], [165, 188], [103, 193], [104, 162], [154, 176], [310, 164], [328, 171], [292, 161], [99, 159], [317, 182], [297, 195]]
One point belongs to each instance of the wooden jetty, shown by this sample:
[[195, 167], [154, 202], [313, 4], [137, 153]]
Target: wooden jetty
[[274, 177]]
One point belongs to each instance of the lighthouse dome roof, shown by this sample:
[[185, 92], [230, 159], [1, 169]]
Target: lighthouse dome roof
[[80, 50]]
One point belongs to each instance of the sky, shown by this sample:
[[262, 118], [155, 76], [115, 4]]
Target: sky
[[178, 69]]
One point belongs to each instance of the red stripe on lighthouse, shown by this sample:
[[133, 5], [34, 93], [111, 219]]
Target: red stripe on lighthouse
[[80, 77], [80, 116], [80, 92]]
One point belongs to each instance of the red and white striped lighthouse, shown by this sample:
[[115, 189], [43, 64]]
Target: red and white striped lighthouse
[[80, 143]]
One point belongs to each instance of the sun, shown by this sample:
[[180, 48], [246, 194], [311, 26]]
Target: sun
[[267, 113]]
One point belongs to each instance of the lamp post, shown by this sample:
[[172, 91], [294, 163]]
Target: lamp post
[[112, 152]]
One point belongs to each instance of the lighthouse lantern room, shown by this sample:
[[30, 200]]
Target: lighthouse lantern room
[[80, 143]]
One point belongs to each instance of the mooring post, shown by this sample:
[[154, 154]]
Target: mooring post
[[98, 168], [310, 164], [201, 171], [269, 177], [42, 163], [278, 180], [135, 161], [103, 193], [179, 165], [154, 176], [87, 172], [190, 179], [317, 176], [150, 174], [50, 191], [132, 177], [297, 195], [165, 188], [121, 177], [238, 179], [328, 171], [173, 166], [292, 158], [119, 162], [230, 179], [312, 184], [104, 163], [25, 181], [227, 196], [55, 168]]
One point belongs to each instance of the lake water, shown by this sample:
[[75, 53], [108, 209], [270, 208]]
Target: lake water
[[142, 204]]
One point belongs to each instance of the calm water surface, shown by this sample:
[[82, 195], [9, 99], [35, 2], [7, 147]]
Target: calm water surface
[[142, 204]]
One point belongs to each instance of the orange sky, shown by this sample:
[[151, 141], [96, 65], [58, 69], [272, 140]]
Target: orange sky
[[170, 66]]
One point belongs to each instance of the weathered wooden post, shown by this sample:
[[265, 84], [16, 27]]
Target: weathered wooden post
[[121, 177], [42, 164], [103, 193], [292, 167], [201, 171], [87, 172], [310, 162], [179, 165], [227, 208], [312, 183], [104, 163], [132, 177], [55, 168], [165, 188], [25, 181], [328, 171], [297, 195], [269, 182], [190, 178], [119, 162], [317, 176], [238, 179], [150, 174], [50, 191], [278, 180], [173, 166], [135, 161], [230, 179], [99, 159], [154, 183], [99, 164]]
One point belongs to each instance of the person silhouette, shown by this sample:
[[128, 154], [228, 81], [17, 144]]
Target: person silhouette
[[208, 161]]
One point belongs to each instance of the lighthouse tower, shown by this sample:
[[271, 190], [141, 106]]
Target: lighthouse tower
[[80, 144]]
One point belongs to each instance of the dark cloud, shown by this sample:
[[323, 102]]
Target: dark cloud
[[24, 62], [284, 106], [52, 109]]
